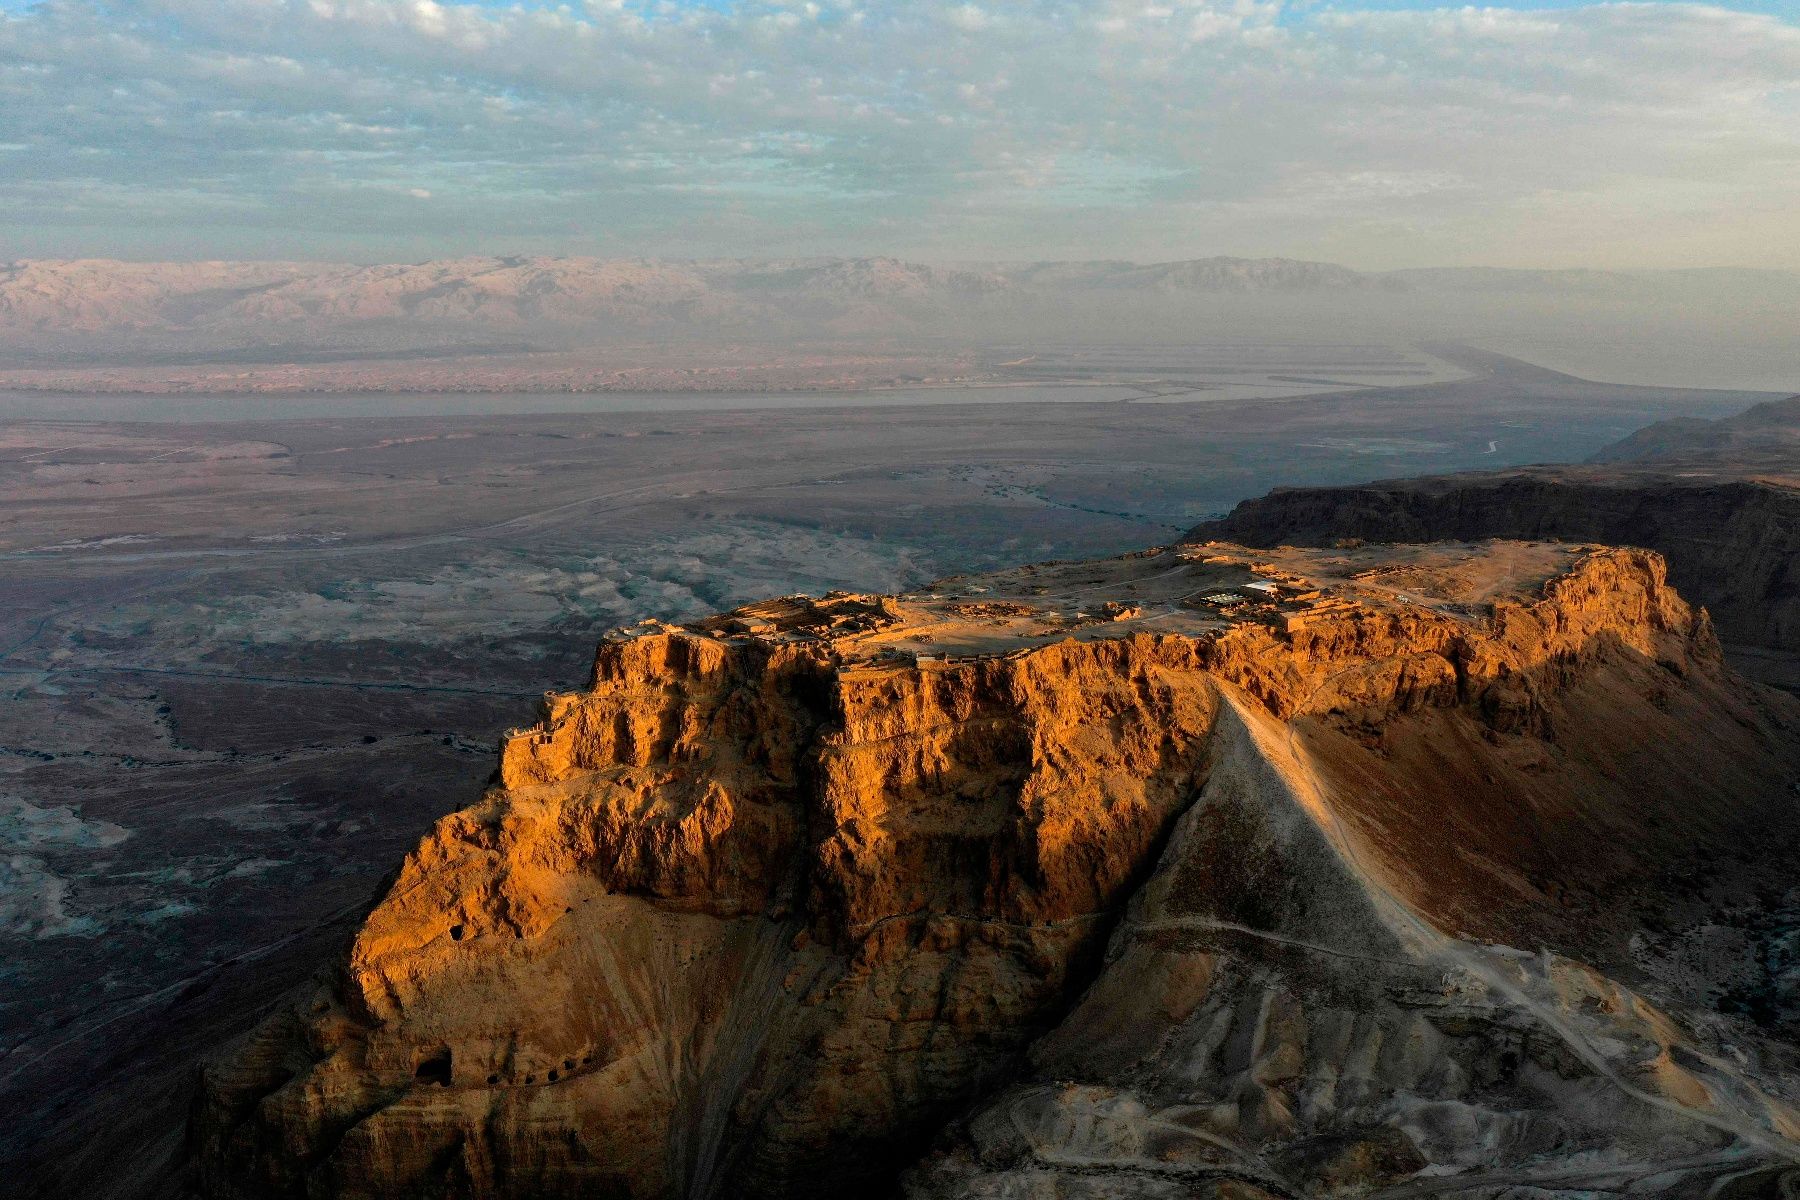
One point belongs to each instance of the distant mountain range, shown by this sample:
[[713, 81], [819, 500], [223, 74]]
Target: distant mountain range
[[239, 301]]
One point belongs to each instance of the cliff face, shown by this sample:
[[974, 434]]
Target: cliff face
[[736, 913], [1732, 546], [1165, 902]]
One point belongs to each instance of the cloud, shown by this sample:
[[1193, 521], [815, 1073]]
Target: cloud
[[1618, 133]]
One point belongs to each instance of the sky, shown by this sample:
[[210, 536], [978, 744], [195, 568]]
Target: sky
[[1380, 133]]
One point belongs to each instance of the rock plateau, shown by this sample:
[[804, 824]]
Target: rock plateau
[[1197, 873]]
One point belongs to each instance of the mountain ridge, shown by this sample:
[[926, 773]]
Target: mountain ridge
[[95, 295]]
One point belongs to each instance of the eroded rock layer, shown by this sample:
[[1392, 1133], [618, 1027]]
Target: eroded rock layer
[[1189, 873]]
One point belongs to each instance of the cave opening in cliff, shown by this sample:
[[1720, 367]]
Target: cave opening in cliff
[[435, 1069]]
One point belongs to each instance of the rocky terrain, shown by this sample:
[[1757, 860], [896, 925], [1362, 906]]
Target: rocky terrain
[[250, 661], [1720, 498], [1200, 872]]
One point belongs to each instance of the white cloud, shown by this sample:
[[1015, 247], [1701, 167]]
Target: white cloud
[[1620, 133]]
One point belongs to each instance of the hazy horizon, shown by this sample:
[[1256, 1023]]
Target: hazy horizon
[[481, 323]]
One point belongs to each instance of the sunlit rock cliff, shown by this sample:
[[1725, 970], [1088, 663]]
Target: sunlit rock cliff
[[1193, 873]]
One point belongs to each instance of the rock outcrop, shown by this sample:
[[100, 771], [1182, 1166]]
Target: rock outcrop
[[1290, 875], [1732, 545], [1719, 499]]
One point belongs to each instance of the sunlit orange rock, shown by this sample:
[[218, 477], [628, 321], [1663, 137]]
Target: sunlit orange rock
[[1154, 900]]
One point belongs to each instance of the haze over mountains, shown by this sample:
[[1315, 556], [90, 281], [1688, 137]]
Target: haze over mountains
[[70, 313], [98, 295]]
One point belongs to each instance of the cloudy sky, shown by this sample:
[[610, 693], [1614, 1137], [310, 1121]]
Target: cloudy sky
[[1376, 132]]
